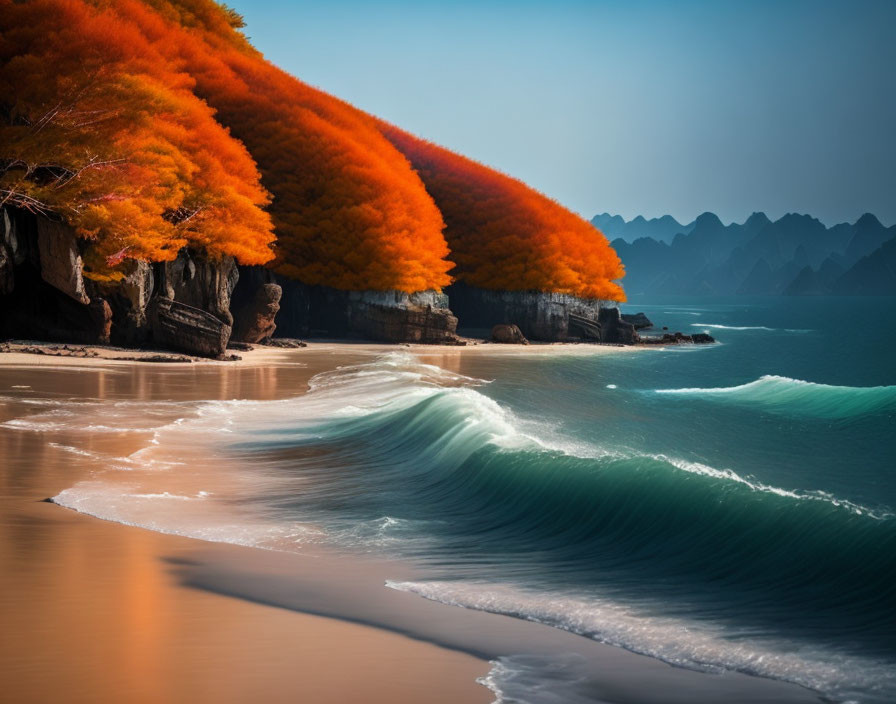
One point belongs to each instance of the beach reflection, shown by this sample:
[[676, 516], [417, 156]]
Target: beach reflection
[[91, 610]]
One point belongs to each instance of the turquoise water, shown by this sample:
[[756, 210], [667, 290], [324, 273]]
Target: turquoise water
[[726, 507]]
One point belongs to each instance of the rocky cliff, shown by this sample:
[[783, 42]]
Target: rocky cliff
[[543, 316], [196, 304], [44, 294], [193, 304], [385, 316]]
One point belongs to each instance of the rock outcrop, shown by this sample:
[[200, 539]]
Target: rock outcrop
[[614, 329], [508, 335], [639, 320], [199, 282], [702, 338], [45, 295], [394, 316], [187, 329], [385, 316], [101, 316], [677, 338], [128, 299], [585, 328], [542, 316], [60, 261], [255, 321]]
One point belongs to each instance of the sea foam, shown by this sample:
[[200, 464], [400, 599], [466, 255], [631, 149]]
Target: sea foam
[[701, 646]]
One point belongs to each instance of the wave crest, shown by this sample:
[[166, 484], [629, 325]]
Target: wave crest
[[783, 394]]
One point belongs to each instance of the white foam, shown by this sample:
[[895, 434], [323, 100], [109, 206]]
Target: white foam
[[697, 645], [109, 502], [169, 495], [718, 326], [73, 450]]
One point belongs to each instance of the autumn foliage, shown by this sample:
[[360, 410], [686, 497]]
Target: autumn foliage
[[101, 129], [505, 235], [153, 124], [349, 211]]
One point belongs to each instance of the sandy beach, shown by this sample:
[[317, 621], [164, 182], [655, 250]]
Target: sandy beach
[[97, 604], [120, 613]]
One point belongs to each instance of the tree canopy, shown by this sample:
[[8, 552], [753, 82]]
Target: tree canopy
[[349, 210], [150, 125], [504, 234], [101, 129]]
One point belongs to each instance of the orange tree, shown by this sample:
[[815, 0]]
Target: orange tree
[[100, 129], [505, 235], [349, 210]]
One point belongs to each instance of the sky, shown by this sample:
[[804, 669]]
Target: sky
[[626, 106]]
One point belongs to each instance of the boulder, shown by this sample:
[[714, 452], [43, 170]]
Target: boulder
[[639, 320], [101, 316], [508, 334], [60, 261], [188, 329], [421, 324], [285, 342], [702, 338], [254, 322]]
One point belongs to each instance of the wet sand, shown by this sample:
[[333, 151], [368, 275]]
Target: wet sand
[[95, 611]]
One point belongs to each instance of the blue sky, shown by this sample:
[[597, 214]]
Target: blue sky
[[646, 107]]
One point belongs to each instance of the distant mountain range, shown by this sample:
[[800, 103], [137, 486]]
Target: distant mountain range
[[796, 255]]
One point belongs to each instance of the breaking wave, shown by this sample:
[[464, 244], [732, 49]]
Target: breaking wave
[[783, 394]]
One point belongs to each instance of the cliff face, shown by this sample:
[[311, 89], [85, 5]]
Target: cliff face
[[385, 316], [183, 304], [193, 304], [43, 294], [548, 317], [196, 304]]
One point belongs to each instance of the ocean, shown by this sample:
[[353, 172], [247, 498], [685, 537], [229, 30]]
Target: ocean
[[726, 507]]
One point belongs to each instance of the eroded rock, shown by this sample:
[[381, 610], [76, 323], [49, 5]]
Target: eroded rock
[[200, 282], [188, 329], [510, 334], [255, 321], [60, 262], [545, 316], [614, 329], [639, 320], [129, 301]]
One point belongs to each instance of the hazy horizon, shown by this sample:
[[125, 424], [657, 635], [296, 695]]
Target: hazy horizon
[[636, 108]]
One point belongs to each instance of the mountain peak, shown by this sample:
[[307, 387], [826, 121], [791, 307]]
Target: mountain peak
[[707, 219], [868, 220], [757, 219]]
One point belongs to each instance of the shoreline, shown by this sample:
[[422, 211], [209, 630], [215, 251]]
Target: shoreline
[[406, 639], [44, 354], [93, 609]]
